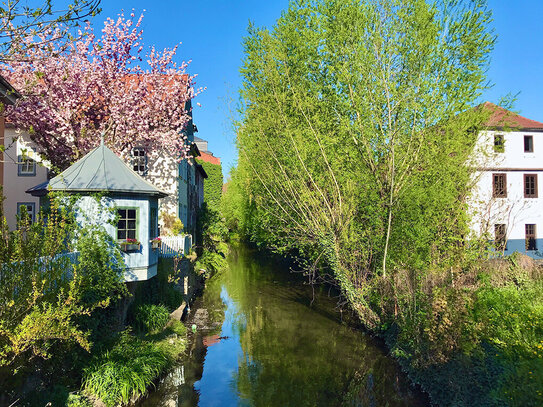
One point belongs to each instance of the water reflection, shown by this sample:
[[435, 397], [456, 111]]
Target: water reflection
[[260, 343]]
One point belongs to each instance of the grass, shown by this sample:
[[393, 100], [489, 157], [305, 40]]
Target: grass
[[126, 371], [151, 318], [130, 367]]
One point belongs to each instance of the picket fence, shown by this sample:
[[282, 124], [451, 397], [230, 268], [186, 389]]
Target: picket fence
[[172, 246]]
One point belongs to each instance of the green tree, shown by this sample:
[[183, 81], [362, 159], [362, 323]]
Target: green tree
[[352, 148]]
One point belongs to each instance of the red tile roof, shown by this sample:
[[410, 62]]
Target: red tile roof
[[501, 117]]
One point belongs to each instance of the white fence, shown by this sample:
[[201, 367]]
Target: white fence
[[172, 246]]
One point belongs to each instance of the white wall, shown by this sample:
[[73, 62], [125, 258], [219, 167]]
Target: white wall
[[515, 211]]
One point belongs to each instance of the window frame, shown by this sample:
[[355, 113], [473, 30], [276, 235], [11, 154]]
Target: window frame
[[499, 147], [27, 204], [21, 162], [495, 192], [530, 239], [139, 160], [137, 209], [500, 236], [531, 143], [526, 192]]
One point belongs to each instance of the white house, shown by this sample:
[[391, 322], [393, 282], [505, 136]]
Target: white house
[[506, 201]]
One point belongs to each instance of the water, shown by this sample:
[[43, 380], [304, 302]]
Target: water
[[262, 341]]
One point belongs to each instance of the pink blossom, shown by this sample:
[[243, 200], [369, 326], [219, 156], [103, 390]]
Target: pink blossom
[[95, 85]]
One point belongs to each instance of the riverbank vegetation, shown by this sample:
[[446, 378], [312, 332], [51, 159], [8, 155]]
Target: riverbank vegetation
[[356, 126], [62, 334]]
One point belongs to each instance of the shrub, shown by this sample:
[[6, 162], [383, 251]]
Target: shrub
[[177, 327], [151, 318], [125, 372]]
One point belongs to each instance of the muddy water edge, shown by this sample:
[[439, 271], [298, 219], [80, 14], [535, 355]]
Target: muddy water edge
[[264, 338]]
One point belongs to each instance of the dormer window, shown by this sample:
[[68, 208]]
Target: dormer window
[[139, 160], [499, 143], [528, 144]]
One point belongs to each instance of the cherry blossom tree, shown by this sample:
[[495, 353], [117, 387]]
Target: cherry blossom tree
[[74, 93]]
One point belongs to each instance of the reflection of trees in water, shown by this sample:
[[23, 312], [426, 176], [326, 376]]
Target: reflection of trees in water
[[293, 355]]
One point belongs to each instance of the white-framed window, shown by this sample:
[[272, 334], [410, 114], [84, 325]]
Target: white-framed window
[[26, 166], [28, 208], [139, 160]]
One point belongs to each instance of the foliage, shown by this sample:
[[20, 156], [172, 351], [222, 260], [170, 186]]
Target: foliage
[[213, 183], [178, 328], [151, 318], [357, 125], [124, 372], [45, 295], [177, 227], [172, 224], [212, 232], [75, 93], [18, 21], [352, 143]]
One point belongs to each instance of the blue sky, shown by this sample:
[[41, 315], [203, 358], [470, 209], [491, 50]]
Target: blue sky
[[211, 33]]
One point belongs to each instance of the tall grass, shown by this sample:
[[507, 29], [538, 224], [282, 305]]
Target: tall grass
[[151, 318], [125, 372]]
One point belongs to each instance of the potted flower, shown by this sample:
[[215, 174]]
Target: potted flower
[[130, 245], [156, 242]]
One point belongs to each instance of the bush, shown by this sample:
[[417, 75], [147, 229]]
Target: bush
[[177, 327], [125, 372], [151, 318]]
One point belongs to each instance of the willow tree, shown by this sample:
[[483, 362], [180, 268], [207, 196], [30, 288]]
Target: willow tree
[[351, 146]]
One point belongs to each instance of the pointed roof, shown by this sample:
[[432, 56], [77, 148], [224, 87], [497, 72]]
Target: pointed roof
[[101, 170], [501, 118]]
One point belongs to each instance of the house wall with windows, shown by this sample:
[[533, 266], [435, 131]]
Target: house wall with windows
[[22, 169], [506, 202], [176, 178], [137, 219]]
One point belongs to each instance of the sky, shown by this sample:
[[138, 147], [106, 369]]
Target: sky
[[212, 31]]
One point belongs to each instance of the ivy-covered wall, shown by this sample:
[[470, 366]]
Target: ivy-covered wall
[[213, 184]]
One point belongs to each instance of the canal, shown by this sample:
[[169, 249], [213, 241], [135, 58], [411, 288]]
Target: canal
[[264, 338]]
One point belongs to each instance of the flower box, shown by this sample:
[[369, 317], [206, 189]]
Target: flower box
[[130, 245]]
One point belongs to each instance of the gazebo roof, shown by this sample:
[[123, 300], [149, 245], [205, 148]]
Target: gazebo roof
[[101, 170]]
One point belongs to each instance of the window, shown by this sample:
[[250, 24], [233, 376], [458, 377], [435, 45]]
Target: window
[[530, 185], [127, 224], [26, 167], [139, 160], [499, 143], [499, 185], [528, 144], [530, 237], [26, 209], [499, 237], [153, 227]]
